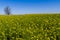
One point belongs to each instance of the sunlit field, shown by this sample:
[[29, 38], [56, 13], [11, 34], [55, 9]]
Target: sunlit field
[[30, 27]]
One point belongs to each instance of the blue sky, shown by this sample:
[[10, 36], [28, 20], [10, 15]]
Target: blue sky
[[30, 6]]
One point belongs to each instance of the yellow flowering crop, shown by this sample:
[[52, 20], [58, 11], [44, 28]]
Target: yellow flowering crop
[[30, 27]]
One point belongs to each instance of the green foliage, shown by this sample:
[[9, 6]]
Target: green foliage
[[30, 27]]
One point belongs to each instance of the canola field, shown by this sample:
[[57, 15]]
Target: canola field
[[30, 27]]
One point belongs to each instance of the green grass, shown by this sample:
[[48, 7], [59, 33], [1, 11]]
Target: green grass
[[30, 27]]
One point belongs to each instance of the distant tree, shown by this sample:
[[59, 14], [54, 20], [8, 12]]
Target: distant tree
[[7, 10]]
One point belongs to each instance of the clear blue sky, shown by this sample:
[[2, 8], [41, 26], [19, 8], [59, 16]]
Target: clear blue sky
[[30, 6]]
